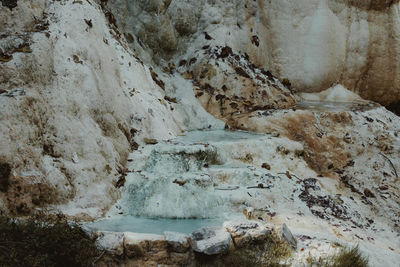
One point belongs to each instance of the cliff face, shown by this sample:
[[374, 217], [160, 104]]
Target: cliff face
[[312, 43]]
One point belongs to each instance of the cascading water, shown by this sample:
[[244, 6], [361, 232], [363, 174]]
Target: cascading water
[[198, 179]]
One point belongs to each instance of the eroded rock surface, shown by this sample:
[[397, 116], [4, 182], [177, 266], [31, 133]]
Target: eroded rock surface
[[311, 43], [83, 83], [243, 233], [74, 102], [210, 241]]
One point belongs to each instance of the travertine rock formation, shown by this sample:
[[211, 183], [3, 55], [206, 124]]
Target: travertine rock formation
[[83, 83], [312, 43], [74, 101]]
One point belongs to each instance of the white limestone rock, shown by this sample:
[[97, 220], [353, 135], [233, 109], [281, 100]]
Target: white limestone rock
[[312, 43], [112, 242], [136, 244], [210, 240], [74, 94], [135, 238], [288, 236], [245, 231]]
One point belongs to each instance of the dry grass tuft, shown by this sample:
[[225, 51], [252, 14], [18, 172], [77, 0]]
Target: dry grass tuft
[[346, 257]]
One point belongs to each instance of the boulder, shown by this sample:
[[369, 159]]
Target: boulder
[[244, 232], [112, 242], [210, 240]]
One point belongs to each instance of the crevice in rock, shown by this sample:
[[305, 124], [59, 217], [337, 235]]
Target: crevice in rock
[[5, 171], [395, 108]]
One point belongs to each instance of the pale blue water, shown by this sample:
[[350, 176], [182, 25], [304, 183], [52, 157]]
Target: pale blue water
[[216, 136], [152, 225], [135, 223]]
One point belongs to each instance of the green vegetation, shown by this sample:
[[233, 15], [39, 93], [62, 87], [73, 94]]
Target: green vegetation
[[45, 241], [346, 257]]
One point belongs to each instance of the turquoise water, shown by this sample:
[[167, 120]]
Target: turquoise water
[[152, 225]]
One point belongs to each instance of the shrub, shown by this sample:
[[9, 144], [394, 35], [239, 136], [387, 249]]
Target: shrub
[[45, 241], [349, 257], [346, 257]]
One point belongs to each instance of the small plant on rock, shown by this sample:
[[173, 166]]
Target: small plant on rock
[[346, 257]]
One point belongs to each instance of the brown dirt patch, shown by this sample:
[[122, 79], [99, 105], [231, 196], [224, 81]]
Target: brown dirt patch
[[25, 193], [322, 152]]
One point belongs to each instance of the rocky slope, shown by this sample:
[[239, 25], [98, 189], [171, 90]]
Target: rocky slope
[[312, 43], [73, 97]]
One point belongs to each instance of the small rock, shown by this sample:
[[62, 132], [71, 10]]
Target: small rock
[[89, 22], [182, 62], [77, 60], [255, 40], [134, 145], [347, 138], [248, 212], [207, 36], [368, 193], [244, 232], [288, 236], [75, 158], [210, 240], [266, 166], [180, 183], [149, 141], [225, 52], [384, 187], [192, 61]]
